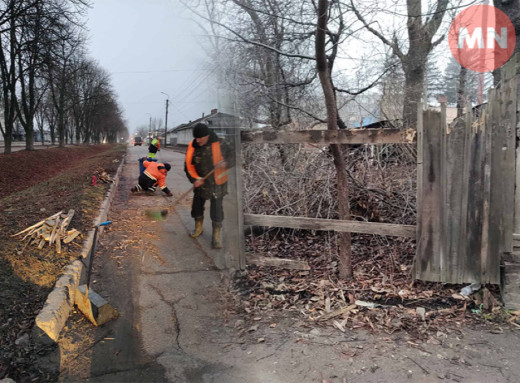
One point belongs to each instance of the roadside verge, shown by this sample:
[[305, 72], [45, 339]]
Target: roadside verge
[[52, 317]]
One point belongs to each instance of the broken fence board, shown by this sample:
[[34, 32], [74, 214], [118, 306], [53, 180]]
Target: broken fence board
[[291, 264], [330, 224]]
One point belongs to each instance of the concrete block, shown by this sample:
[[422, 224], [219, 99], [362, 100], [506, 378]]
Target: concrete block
[[70, 279], [55, 312]]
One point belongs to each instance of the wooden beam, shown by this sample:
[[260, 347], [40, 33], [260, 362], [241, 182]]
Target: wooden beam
[[330, 224], [325, 137], [291, 264]]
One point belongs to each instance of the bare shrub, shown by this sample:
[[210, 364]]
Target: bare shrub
[[299, 181]]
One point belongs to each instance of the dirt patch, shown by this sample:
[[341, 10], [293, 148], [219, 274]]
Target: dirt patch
[[45, 182], [23, 169]]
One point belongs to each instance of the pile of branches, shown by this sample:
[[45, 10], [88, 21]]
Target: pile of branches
[[300, 181]]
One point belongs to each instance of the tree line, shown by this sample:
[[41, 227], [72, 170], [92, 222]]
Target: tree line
[[48, 82]]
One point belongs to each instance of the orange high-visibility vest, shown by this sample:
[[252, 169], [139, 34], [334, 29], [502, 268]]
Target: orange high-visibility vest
[[221, 175], [156, 174]]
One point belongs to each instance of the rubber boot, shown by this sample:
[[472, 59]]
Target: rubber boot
[[215, 238], [198, 227]]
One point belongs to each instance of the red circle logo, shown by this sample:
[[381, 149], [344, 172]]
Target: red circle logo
[[482, 38]]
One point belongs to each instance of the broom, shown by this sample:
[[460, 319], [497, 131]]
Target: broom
[[160, 215]]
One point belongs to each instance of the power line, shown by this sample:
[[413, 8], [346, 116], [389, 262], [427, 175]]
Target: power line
[[160, 71]]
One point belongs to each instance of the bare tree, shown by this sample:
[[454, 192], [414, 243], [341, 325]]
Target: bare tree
[[512, 9], [420, 43]]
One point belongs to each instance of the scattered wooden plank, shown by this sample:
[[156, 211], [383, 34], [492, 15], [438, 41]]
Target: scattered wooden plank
[[35, 225], [52, 229], [71, 235], [58, 245], [53, 233], [291, 264]]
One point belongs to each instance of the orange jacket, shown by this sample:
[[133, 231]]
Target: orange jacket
[[220, 175], [153, 171]]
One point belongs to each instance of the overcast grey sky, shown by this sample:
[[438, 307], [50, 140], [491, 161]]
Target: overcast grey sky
[[150, 47]]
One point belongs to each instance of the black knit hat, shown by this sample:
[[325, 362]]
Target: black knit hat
[[167, 166], [200, 130]]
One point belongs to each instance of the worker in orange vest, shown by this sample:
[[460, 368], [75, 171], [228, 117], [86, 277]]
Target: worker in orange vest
[[204, 154], [154, 175]]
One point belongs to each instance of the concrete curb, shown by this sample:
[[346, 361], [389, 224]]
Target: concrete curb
[[54, 314]]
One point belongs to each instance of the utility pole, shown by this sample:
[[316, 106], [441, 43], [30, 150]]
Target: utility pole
[[166, 119], [150, 126]]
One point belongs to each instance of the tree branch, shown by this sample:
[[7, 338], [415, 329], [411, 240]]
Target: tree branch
[[395, 48]]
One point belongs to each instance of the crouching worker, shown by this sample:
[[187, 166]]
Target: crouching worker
[[205, 154], [154, 175]]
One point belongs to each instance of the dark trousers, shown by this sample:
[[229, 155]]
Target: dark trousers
[[216, 210], [146, 183]]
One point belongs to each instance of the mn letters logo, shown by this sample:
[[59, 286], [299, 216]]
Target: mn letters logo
[[482, 38]]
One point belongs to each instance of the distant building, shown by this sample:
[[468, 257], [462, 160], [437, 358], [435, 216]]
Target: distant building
[[222, 124]]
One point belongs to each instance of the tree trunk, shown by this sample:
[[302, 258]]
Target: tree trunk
[[29, 136], [344, 248], [461, 91], [413, 90]]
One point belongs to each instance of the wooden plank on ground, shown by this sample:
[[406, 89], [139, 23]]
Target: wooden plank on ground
[[291, 264], [71, 235], [36, 224], [326, 137], [330, 224]]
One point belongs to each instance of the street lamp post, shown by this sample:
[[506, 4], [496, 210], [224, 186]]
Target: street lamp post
[[149, 125], [166, 119]]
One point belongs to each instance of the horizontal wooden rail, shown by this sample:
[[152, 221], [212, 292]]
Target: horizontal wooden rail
[[330, 224], [325, 137]]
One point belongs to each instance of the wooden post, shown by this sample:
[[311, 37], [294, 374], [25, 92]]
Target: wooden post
[[239, 261], [467, 262], [416, 272]]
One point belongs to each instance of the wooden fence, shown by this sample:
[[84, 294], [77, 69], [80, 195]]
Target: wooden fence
[[465, 193], [326, 137], [466, 189]]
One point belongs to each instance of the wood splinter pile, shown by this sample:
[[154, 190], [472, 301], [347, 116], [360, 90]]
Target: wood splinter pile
[[103, 176], [52, 230]]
